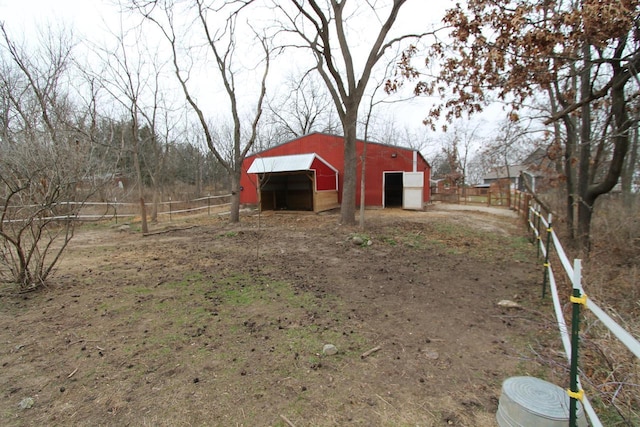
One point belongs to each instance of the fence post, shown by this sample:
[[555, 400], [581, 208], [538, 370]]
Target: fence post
[[529, 220], [521, 201], [539, 218], [535, 227], [545, 276], [577, 299]]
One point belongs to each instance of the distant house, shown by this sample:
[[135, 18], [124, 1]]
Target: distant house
[[511, 172], [482, 189], [535, 170], [445, 185]]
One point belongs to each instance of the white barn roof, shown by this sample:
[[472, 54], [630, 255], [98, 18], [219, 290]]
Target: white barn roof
[[290, 163]]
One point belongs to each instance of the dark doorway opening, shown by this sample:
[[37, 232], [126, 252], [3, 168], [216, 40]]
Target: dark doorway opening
[[392, 189], [287, 191]]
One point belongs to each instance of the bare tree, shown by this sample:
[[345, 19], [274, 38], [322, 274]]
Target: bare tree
[[374, 100], [510, 145], [306, 107], [45, 175], [323, 29], [459, 143], [586, 55], [125, 76], [159, 125], [221, 44]]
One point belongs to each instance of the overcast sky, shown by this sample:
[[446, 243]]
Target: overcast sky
[[84, 15], [91, 18]]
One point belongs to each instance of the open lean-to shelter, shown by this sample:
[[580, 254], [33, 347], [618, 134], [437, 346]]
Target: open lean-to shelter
[[307, 174]]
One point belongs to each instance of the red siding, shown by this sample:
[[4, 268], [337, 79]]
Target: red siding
[[380, 158], [325, 176]]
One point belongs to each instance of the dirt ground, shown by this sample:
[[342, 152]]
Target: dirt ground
[[207, 323]]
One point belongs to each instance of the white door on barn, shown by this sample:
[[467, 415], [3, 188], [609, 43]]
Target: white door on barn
[[412, 190]]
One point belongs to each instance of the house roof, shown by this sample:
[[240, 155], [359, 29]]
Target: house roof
[[536, 157], [532, 164], [290, 163], [504, 172]]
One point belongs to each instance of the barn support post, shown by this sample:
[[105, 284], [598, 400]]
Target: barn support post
[[545, 276], [577, 299], [259, 179]]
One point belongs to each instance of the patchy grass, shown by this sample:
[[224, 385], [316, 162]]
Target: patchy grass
[[202, 326]]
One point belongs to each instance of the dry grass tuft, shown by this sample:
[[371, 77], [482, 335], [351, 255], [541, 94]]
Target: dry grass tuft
[[612, 275]]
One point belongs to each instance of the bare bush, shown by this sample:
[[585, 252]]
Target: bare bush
[[45, 171], [617, 229], [41, 192]]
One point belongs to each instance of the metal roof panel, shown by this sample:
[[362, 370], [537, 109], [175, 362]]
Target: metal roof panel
[[290, 163]]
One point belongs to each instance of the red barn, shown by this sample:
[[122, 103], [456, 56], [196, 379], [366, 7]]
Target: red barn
[[307, 173]]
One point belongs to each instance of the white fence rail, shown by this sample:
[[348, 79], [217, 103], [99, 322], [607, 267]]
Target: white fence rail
[[117, 210], [574, 273]]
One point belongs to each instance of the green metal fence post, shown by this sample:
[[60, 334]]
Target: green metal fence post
[[575, 394], [545, 276]]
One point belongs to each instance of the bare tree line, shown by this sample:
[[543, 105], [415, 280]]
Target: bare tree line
[[137, 108], [99, 116]]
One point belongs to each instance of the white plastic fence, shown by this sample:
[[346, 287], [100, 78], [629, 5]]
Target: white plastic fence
[[574, 272]]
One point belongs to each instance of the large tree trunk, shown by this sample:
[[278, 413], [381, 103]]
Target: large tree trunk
[[567, 165], [585, 213], [570, 173], [348, 205], [589, 193], [585, 202], [363, 182], [138, 168]]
